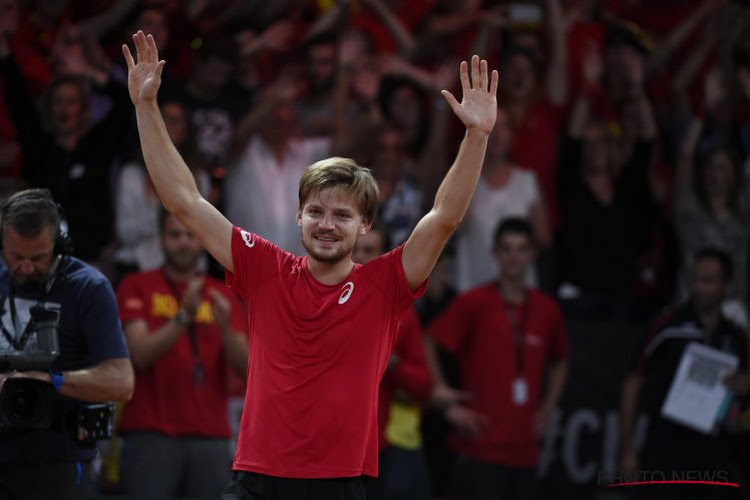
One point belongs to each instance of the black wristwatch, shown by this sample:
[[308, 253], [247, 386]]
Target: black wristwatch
[[182, 318]]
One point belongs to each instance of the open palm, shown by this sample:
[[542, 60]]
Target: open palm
[[478, 108], [144, 73]]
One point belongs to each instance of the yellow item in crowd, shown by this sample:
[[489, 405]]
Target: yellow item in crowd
[[403, 426]]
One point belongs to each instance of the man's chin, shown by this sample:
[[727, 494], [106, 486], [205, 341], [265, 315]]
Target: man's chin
[[30, 285]]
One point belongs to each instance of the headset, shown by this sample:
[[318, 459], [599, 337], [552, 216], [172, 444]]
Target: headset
[[63, 244]]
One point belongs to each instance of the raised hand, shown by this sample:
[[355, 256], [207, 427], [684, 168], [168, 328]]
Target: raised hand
[[478, 108], [144, 74]]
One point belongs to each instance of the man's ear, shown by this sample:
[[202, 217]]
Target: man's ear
[[365, 227], [299, 217]]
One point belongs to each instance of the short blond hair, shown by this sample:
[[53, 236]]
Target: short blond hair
[[346, 174]]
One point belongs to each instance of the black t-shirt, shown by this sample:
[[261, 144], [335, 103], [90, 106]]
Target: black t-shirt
[[658, 364]]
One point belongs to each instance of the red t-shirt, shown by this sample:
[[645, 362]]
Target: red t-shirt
[[165, 398], [410, 373], [476, 328], [317, 354], [534, 147]]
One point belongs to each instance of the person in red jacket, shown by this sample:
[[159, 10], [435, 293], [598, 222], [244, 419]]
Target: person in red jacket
[[505, 336], [407, 383]]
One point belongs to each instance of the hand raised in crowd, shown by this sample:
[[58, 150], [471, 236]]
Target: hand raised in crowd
[[478, 107], [144, 73], [221, 308], [191, 299]]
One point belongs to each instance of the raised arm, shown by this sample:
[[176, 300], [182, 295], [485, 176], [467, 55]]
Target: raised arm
[[172, 178], [477, 111]]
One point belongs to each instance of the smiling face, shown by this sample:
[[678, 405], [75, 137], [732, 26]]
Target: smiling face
[[331, 222]]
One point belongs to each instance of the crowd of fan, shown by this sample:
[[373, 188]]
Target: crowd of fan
[[623, 133]]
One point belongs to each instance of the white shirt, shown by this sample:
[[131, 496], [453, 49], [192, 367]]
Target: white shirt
[[475, 263], [262, 193]]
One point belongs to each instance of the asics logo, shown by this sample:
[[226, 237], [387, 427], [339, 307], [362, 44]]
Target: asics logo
[[248, 239], [347, 292]]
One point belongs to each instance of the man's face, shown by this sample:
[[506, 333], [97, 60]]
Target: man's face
[[331, 223], [514, 254], [708, 286], [181, 249], [67, 108], [28, 259], [368, 247], [321, 63]]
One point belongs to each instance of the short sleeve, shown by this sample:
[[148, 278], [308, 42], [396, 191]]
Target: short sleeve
[[255, 260], [130, 300], [100, 323], [532, 187], [451, 327]]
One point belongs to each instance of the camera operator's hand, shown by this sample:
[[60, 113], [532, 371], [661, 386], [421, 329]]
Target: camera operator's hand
[[192, 297], [43, 376]]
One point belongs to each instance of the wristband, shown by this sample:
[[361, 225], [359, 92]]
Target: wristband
[[57, 379]]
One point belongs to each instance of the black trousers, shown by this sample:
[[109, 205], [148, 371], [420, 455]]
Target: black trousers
[[58, 481], [475, 479], [253, 486]]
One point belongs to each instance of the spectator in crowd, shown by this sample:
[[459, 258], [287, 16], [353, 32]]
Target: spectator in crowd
[[534, 104], [504, 190], [406, 384], [136, 205], [315, 106], [400, 198], [671, 447], [212, 111], [65, 152], [261, 186], [506, 337], [46, 446], [711, 209], [605, 204], [183, 328]]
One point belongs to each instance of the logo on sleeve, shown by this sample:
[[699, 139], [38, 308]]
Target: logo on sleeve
[[247, 238], [347, 292]]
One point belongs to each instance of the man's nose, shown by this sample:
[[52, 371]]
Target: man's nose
[[327, 222], [26, 268]]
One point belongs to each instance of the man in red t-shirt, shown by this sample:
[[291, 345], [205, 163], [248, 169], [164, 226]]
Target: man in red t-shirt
[[505, 336], [184, 330], [321, 327]]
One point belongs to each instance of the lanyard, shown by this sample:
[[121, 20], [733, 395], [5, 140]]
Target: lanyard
[[19, 340], [517, 323], [197, 365]]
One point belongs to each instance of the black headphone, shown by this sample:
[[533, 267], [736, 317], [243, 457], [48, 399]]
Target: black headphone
[[63, 244]]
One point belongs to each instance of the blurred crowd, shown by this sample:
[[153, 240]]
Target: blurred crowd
[[623, 132]]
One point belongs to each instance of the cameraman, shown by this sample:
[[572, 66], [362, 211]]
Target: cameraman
[[51, 460]]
